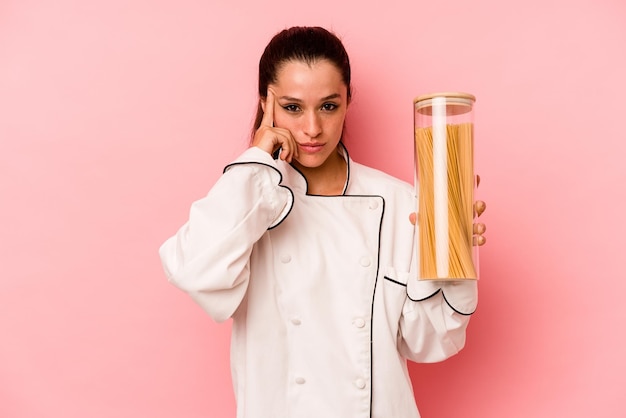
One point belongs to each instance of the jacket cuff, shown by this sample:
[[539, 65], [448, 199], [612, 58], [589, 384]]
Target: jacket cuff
[[460, 295], [255, 155]]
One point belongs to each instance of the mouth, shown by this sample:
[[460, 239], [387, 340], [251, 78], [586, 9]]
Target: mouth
[[311, 147]]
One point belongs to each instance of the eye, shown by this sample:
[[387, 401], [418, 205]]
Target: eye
[[291, 108], [329, 107]]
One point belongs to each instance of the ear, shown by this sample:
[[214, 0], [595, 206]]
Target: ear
[[262, 101]]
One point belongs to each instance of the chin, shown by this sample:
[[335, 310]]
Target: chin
[[311, 161]]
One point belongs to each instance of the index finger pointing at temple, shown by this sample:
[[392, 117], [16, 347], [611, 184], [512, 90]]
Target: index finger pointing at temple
[[268, 112]]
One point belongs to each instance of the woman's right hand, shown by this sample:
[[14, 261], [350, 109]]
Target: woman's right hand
[[270, 138]]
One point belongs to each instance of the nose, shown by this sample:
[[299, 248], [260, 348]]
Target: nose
[[312, 125]]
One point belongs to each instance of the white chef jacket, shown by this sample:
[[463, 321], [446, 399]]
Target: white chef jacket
[[322, 290]]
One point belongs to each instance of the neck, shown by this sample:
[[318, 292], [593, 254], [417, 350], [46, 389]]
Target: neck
[[328, 179]]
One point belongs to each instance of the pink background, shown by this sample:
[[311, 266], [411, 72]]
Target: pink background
[[115, 115]]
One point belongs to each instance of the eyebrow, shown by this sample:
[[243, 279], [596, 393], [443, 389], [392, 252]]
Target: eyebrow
[[295, 99]]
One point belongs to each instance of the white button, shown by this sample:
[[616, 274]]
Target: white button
[[285, 258], [373, 204], [365, 261], [360, 383], [359, 323], [295, 321], [300, 380]]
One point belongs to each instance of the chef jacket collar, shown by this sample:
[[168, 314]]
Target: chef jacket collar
[[296, 180]]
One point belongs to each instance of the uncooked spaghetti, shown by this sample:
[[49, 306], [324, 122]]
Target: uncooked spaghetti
[[446, 185]]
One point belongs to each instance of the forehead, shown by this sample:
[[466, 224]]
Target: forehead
[[304, 79]]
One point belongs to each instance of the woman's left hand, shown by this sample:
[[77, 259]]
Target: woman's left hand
[[479, 228]]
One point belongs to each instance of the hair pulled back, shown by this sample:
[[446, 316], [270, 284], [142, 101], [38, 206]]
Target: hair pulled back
[[300, 43]]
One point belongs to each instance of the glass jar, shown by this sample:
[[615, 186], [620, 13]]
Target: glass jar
[[445, 182]]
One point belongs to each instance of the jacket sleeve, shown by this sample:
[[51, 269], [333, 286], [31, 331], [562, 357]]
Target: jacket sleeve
[[436, 313], [435, 318], [209, 255]]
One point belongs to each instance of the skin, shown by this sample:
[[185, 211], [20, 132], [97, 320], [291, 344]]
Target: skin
[[304, 114]]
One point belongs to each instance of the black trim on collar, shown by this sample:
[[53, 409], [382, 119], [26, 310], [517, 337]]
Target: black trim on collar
[[348, 164], [347, 158]]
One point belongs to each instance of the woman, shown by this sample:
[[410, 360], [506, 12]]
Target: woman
[[312, 256]]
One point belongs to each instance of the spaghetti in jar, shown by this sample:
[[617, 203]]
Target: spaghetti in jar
[[444, 171]]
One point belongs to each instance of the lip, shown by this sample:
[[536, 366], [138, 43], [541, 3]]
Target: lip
[[311, 147]]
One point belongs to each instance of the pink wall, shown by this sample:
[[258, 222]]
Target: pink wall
[[115, 115]]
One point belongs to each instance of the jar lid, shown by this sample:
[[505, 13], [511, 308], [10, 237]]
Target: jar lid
[[457, 103]]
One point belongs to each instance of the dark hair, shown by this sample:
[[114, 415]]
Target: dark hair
[[300, 43]]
